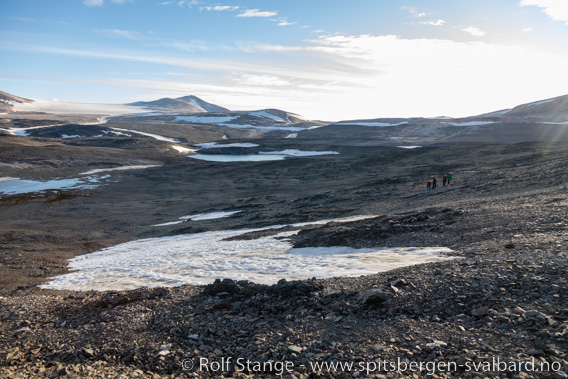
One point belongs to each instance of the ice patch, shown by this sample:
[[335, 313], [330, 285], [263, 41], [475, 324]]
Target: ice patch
[[381, 124], [472, 123], [201, 258], [298, 153], [121, 168], [18, 186], [238, 157], [205, 119], [212, 145]]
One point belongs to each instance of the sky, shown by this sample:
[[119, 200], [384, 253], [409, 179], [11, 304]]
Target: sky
[[322, 59]]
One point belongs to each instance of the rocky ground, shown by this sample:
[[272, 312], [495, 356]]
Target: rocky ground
[[499, 310]]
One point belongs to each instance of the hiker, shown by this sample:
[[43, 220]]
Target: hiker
[[434, 183], [449, 177], [429, 185], [444, 181]]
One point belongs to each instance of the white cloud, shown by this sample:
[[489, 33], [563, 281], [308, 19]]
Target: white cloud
[[93, 3], [527, 29], [260, 80], [256, 13], [128, 34], [220, 8], [414, 12], [286, 23], [433, 23], [474, 31], [555, 9]]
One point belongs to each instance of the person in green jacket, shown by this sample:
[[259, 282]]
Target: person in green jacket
[[449, 178]]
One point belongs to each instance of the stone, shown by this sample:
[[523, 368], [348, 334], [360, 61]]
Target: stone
[[481, 311], [373, 296]]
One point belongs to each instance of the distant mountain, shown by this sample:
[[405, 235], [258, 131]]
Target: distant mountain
[[7, 101], [191, 104], [556, 107]]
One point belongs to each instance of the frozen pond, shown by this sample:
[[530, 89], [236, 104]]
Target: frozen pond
[[261, 156], [238, 158], [201, 258], [19, 186]]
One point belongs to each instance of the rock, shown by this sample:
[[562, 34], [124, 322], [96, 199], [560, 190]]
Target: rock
[[373, 297], [295, 349], [21, 331], [481, 311]]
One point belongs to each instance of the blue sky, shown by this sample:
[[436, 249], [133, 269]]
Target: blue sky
[[327, 60]]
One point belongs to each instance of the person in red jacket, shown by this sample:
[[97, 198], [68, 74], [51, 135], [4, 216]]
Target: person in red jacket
[[429, 186]]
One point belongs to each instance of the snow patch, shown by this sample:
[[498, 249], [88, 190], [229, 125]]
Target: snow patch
[[472, 123], [121, 168], [155, 136], [200, 217], [267, 128], [409, 147], [183, 149], [380, 124], [205, 119], [266, 115], [293, 135], [200, 258]]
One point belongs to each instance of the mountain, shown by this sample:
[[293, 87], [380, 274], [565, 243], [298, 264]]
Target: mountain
[[555, 108], [7, 101], [191, 104]]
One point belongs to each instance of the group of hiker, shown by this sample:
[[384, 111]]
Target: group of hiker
[[432, 184]]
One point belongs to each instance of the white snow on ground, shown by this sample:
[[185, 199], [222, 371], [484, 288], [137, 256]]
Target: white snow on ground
[[409, 147], [65, 107], [293, 135], [267, 115], [371, 123], [540, 102], [183, 149], [200, 258], [208, 216], [297, 153], [121, 168], [555, 123], [150, 114], [155, 136], [7, 178], [199, 217], [205, 119], [169, 223], [266, 128], [71, 136], [212, 145], [472, 123]]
